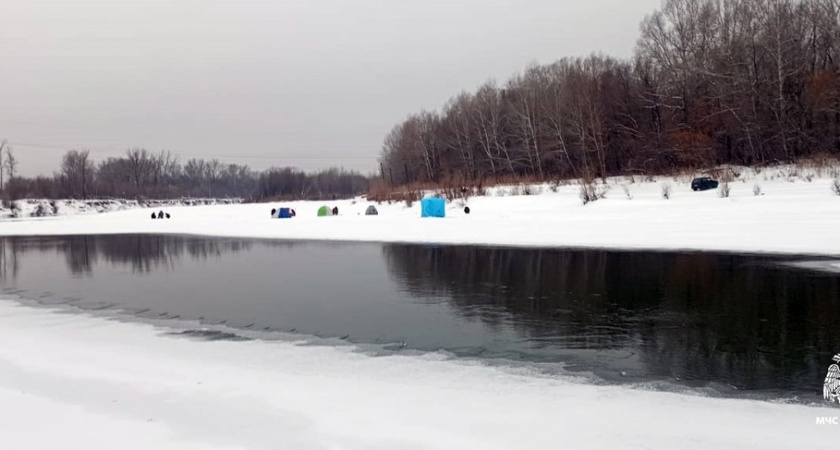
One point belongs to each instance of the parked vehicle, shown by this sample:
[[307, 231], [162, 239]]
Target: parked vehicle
[[703, 184]]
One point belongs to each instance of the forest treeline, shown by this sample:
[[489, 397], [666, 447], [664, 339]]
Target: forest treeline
[[141, 173], [711, 82]]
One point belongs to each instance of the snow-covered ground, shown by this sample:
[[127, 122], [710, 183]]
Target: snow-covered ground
[[72, 381], [76, 381], [27, 208], [791, 215]]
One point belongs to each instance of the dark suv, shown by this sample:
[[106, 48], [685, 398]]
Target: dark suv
[[703, 184]]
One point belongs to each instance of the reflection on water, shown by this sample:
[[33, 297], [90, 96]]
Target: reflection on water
[[747, 321], [742, 321], [143, 253]]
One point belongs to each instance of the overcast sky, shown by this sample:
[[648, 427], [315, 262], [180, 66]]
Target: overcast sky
[[305, 83]]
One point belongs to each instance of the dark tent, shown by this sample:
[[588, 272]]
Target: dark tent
[[371, 211], [433, 207]]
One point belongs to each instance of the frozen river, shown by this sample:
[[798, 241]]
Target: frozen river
[[727, 324]]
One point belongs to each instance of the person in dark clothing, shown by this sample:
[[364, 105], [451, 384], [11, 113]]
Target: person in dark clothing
[[273, 212], [292, 212], [167, 215], [466, 210], [160, 214], [153, 215], [335, 211]]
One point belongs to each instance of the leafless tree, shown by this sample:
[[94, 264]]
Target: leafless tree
[[3, 146], [77, 173], [711, 82], [11, 163]]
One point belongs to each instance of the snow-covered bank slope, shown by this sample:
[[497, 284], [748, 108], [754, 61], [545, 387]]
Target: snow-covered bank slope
[[72, 381], [791, 216], [68, 207]]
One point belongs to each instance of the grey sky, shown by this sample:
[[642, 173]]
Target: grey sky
[[268, 82]]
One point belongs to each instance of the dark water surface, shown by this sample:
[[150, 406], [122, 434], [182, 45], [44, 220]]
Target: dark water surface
[[735, 323]]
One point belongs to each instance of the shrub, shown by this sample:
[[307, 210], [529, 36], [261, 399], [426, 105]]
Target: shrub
[[723, 190], [666, 190], [835, 186], [626, 191], [15, 209], [589, 192]]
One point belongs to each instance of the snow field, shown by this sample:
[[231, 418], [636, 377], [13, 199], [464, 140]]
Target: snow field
[[72, 381]]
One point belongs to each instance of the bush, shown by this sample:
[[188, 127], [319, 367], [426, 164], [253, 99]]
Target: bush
[[626, 192], [40, 211], [589, 192], [835, 186], [15, 209], [723, 190], [666, 191]]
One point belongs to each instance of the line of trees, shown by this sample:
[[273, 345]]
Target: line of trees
[[711, 82], [141, 173]]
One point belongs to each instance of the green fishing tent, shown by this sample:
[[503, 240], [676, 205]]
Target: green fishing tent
[[324, 211]]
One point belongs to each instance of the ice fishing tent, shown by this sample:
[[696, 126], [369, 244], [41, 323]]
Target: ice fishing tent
[[371, 211], [284, 213], [324, 211], [433, 207]]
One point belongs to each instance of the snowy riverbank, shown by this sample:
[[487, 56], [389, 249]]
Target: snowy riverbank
[[28, 208], [792, 215], [74, 381]]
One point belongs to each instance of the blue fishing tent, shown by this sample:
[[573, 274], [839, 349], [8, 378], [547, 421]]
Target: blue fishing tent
[[285, 213], [433, 207]]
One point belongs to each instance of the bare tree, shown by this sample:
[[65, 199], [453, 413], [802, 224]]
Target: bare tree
[[526, 92], [11, 163], [212, 172], [77, 172], [3, 146], [194, 174], [141, 164]]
